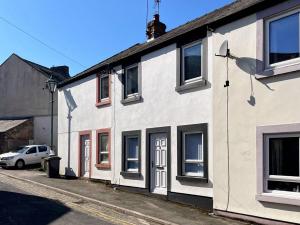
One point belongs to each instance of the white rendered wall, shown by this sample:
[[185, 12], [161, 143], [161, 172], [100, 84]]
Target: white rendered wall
[[85, 116], [161, 106]]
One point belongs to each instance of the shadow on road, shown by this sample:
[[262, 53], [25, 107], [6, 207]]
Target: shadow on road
[[37, 166], [18, 208]]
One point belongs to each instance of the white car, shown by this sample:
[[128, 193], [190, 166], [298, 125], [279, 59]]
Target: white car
[[27, 155]]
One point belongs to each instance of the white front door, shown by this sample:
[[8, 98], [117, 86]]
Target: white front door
[[85, 143], [158, 165]]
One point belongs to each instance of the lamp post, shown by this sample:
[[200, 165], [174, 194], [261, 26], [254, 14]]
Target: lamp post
[[51, 85]]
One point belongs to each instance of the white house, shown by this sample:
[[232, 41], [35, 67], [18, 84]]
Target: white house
[[143, 121], [196, 114]]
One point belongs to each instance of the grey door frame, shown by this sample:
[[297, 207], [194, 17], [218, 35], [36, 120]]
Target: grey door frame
[[150, 131]]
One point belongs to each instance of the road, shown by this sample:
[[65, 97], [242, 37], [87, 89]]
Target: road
[[29, 197], [23, 203], [18, 207]]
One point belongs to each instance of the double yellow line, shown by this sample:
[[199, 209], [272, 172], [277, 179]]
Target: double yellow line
[[97, 213]]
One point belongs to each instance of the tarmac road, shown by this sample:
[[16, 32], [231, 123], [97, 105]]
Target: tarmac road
[[18, 207]]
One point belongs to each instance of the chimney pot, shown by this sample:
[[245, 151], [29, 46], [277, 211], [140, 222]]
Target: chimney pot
[[155, 28], [64, 70]]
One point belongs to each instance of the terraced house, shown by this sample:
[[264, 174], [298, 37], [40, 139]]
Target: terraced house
[[206, 114]]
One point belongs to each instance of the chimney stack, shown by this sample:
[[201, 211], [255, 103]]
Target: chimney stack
[[63, 70], [155, 28]]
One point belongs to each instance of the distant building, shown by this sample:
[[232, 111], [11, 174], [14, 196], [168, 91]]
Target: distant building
[[25, 109]]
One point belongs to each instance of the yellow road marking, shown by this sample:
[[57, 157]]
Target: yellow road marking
[[99, 214]]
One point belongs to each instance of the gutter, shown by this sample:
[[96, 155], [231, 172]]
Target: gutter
[[211, 25]]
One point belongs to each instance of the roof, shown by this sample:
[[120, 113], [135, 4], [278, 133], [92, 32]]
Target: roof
[[226, 14], [47, 71], [6, 125]]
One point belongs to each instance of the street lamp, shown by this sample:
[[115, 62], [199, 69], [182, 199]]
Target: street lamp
[[51, 85]]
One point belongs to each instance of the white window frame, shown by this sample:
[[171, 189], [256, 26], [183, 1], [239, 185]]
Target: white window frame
[[268, 177], [131, 159], [267, 43], [104, 152], [184, 81], [125, 83], [184, 161], [101, 76]]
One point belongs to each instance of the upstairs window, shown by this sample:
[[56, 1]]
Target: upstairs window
[[282, 39], [282, 163], [131, 81], [103, 89], [191, 62], [131, 84]]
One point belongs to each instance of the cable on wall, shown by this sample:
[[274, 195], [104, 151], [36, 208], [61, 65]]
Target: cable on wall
[[227, 133], [114, 123], [224, 52]]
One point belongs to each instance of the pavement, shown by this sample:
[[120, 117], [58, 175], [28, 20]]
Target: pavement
[[128, 207]]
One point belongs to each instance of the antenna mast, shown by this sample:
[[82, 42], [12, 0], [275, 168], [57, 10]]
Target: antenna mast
[[157, 2]]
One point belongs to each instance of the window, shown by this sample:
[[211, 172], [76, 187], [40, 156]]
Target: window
[[282, 39], [42, 148], [131, 152], [131, 84], [191, 62], [103, 89], [282, 160], [103, 149], [192, 153], [277, 41], [31, 150], [131, 81]]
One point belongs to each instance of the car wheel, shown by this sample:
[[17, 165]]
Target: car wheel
[[20, 164]]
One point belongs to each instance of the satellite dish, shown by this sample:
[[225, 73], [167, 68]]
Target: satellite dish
[[224, 51]]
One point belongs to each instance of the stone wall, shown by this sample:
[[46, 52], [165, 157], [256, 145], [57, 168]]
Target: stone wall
[[17, 136]]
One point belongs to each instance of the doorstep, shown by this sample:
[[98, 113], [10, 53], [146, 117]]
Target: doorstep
[[165, 211]]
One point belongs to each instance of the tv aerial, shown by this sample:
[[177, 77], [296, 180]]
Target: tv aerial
[[156, 6], [224, 51]]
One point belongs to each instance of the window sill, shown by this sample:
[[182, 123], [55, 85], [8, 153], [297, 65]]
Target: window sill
[[103, 103], [192, 179], [103, 166], [193, 85], [278, 198], [278, 70], [131, 174], [132, 99]]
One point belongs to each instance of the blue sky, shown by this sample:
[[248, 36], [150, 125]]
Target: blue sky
[[86, 31]]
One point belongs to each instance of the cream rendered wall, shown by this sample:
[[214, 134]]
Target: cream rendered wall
[[84, 116], [276, 102]]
